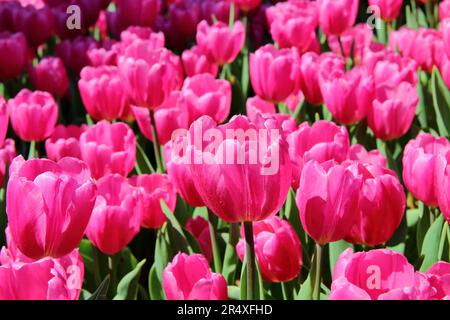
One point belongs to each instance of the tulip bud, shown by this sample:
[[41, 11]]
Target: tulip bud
[[109, 148], [49, 205], [117, 214], [336, 16], [196, 62], [439, 277], [74, 53], [278, 249], [33, 115], [64, 142], [13, 55], [199, 228], [51, 76], [387, 10], [189, 278]]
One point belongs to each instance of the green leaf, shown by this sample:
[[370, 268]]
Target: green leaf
[[423, 225], [163, 251], [127, 288], [233, 293], [306, 289], [336, 248], [177, 235], [230, 260], [143, 164], [102, 290], [154, 285], [430, 247], [441, 103]]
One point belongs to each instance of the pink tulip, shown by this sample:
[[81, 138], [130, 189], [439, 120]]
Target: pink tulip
[[155, 187], [103, 93], [284, 122], [387, 10], [348, 95], [427, 48], [419, 160], [445, 70], [218, 42], [169, 117], [51, 76], [64, 142], [49, 205], [445, 29], [109, 148], [322, 141], [3, 120], [222, 178], [267, 66], [117, 214], [444, 10], [45, 279], [393, 69], [35, 24], [293, 24], [180, 174], [189, 278], [327, 199], [102, 57], [402, 40], [381, 205], [337, 16], [196, 62], [439, 277], [379, 274], [150, 74], [256, 105], [218, 8], [204, 95], [309, 78], [393, 110], [7, 154], [199, 228], [73, 53], [33, 115], [128, 36], [442, 174], [278, 249], [13, 55], [353, 42], [358, 153]]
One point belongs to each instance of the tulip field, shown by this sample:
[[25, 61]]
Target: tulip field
[[224, 150]]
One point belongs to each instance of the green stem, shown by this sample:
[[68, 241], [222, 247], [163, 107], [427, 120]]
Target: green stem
[[318, 271], [96, 265], [112, 273], [214, 244], [231, 18], [250, 257], [156, 147], [32, 152], [230, 259]]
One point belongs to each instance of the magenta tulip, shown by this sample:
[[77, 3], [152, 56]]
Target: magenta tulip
[[117, 214], [109, 148], [150, 74], [379, 274], [218, 42], [247, 5], [64, 142], [309, 78], [184, 15], [444, 10], [74, 53], [103, 93], [13, 55], [393, 110], [267, 66], [293, 24], [49, 205], [419, 159], [189, 278], [322, 141], [199, 228], [337, 16], [439, 277], [169, 117], [35, 24], [205, 95], [51, 76], [353, 42], [45, 279], [226, 167], [445, 29], [442, 174], [427, 48], [33, 115], [348, 95], [278, 249], [128, 36], [358, 153], [381, 205], [387, 10], [7, 154], [196, 62], [3, 120], [256, 105], [155, 187], [402, 40], [327, 199]]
